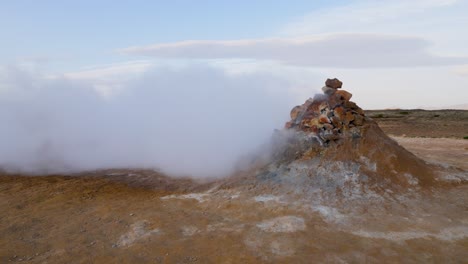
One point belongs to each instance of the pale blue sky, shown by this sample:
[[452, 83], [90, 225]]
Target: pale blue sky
[[88, 30], [303, 41]]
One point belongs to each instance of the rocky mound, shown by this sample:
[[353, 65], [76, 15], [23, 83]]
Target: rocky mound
[[331, 146]]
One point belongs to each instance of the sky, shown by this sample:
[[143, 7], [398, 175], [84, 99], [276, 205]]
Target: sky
[[97, 84], [395, 45]]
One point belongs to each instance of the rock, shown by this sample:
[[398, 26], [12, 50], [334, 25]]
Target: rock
[[314, 129], [323, 107], [351, 105], [310, 122], [358, 120], [340, 112], [328, 90], [323, 119], [345, 95], [316, 106], [330, 134], [327, 127], [333, 83], [309, 115], [335, 100], [336, 122], [295, 112], [328, 117], [360, 111], [349, 118], [289, 124]]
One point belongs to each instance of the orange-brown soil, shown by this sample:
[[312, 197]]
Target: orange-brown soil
[[96, 220]]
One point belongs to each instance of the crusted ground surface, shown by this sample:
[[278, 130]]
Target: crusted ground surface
[[107, 217]]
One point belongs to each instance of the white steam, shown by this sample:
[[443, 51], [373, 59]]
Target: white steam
[[192, 121]]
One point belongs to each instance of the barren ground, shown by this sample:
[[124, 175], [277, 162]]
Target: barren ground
[[141, 217], [423, 123]]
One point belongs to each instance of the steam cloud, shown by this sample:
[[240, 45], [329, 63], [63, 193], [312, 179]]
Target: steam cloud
[[193, 121]]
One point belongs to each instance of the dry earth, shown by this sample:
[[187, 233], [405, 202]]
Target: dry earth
[[125, 216], [438, 136], [422, 123]]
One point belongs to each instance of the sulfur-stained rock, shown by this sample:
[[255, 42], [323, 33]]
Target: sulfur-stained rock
[[333, 83], [340, 112], [345, 95], [324, 119], [310, 122]]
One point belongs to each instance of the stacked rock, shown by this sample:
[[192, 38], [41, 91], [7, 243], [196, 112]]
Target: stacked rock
[[329, 115]]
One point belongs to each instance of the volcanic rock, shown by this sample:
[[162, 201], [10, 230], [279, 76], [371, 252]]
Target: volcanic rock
[[323, 119], [326, 113], [348, 119], [339, 112], [295, 112], [358, 120], [344, 95], [333, 83]]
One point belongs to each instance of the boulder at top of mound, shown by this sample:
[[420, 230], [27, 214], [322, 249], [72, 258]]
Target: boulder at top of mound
[[333, 83]]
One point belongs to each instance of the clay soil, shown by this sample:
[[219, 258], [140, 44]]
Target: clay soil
[[124, 216]]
